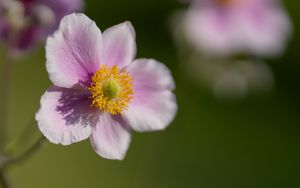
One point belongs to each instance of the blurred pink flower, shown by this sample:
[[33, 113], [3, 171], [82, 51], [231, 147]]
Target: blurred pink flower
[[228, 27], [231, 79], [23, 23], [99, 90]]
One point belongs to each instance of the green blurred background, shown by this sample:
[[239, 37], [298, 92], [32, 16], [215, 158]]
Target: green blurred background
[[251, 143]]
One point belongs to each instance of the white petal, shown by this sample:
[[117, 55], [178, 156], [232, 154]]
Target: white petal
[[74, 51], [111, 138], [119, 46], [154, 105], [155, 114], [65, 116]]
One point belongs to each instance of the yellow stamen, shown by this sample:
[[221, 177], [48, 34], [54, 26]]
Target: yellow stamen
[[111, 89]]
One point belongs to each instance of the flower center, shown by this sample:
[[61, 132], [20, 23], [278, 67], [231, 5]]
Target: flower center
[[111, 89]]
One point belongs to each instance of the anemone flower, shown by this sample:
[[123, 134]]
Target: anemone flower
[[26, 22], [100, 92], [229, 27]]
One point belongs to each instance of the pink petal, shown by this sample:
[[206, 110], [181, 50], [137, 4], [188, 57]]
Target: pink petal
[[258, 27], [119, 45], [65, 116], [111, 138], [74, 51], [209, 30], [154, 105], [264, 29]]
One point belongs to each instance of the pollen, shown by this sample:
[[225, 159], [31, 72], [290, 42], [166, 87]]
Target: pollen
[[111, 89]]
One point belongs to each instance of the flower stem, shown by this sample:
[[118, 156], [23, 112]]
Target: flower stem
[[27, 154], [6, 75], [6, 161], [4, 183], [3, 180]]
